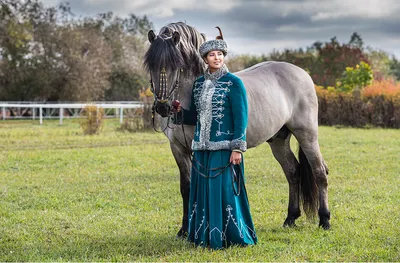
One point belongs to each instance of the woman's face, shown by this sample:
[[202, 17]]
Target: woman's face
[[215, 60]]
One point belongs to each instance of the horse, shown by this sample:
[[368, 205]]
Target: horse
[[281, 102]]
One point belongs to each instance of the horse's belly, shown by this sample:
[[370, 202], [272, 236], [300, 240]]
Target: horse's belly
[[267, 115], [261, 128]]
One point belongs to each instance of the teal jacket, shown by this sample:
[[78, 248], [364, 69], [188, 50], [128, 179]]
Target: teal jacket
[[219, 111]]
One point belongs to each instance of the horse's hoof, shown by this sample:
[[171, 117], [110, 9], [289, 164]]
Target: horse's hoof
[[324, 216], [324, 223], [182, 234], [289, 222]]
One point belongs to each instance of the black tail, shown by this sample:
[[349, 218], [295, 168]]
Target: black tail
[[308, 186]]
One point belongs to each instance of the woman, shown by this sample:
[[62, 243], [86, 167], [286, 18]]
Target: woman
[[219, 214]]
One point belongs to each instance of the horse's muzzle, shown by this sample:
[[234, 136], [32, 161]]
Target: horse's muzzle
[[163, 108]]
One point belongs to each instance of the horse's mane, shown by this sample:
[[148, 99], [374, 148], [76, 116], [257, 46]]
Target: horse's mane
[[163, 52]]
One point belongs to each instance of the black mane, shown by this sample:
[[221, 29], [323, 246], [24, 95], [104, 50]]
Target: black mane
[[163, 52]]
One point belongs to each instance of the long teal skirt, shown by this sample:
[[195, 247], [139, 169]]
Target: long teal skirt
[[219, 214]]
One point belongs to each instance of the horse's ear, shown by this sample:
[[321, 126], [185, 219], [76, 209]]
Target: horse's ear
[[176, 37], [151, 36]]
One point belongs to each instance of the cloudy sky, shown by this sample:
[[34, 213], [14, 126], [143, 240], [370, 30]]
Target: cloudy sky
[[259, 26]]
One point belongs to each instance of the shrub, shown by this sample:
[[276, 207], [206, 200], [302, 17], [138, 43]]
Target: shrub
[[92, 122], [377, 104], [141, 119]]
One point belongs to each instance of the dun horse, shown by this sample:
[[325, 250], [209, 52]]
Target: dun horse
[[281, 102]]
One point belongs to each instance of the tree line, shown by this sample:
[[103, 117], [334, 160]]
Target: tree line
[[327, 62], [48, 54]]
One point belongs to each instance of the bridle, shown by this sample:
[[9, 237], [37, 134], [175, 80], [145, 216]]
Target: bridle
[[163, 97]]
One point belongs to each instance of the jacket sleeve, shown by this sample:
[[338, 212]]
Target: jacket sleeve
[[239, 106]]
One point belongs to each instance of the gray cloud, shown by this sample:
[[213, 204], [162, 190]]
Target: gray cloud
[[259, 26]]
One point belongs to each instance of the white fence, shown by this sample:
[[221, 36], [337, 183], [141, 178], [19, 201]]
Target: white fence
[[30, 110]]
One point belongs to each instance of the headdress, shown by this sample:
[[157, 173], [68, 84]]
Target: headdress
[[215, 44]]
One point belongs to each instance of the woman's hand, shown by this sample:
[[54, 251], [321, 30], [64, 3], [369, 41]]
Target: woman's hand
[[236, 157], [176, 106]]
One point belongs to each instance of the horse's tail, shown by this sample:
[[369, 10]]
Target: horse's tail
[[308, 186]]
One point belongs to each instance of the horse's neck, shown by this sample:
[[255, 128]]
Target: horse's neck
[[185, 91]]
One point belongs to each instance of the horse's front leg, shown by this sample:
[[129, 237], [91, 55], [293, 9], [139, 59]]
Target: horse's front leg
[[182, 158]]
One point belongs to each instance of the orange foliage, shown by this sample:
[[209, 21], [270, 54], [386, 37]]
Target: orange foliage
[[386, 88]]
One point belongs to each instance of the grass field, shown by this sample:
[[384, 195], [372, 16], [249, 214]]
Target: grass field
[[115, 197]]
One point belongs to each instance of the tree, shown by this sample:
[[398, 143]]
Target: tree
[[333, 58], [356, 41]]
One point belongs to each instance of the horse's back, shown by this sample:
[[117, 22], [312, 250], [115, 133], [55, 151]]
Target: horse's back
[[279, 93]]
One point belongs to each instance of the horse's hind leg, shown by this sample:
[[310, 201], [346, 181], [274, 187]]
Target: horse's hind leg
[[182, 159], [280, 146], [308, 140]]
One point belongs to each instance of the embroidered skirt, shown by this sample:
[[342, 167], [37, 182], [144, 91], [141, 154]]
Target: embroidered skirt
[[219, 213]]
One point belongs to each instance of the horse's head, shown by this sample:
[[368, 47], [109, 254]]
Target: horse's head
[[164, 61], [174, 62]]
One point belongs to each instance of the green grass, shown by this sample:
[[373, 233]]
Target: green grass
[[115, 197]]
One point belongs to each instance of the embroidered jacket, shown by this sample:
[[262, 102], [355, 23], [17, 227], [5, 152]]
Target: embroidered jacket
[[219, 111]]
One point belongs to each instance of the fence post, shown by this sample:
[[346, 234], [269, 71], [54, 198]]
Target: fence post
[[61, 115], [41, 115], [33, 113], [3, 112], [121, 115]]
